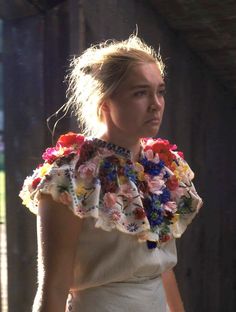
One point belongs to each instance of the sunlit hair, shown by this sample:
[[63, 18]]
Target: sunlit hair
[[96, 74]]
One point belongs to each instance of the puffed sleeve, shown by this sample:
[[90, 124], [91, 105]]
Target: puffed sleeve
[[56, 175], [185, 195], [54, 179]]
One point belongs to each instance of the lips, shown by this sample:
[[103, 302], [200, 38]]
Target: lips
[[153, 120]]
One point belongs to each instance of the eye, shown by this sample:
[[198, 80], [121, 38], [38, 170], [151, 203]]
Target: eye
[[161, 92], [140, 93]]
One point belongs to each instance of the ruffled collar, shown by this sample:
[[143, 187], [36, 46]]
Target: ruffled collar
[[144, 198]]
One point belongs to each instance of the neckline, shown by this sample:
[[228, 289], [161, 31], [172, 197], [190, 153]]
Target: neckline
[[122, 151]]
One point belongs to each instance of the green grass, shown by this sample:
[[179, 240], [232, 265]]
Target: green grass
[[2, 197]]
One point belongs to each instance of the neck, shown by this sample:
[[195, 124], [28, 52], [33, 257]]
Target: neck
[[133, 145]]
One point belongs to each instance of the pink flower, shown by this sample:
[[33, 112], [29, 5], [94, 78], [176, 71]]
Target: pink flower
[[151, 156], [126, 191], [115, 216], [155, 184], [65, 198], [87, 170], [50, 154], [170, 206], [109, 199], [177, 193]]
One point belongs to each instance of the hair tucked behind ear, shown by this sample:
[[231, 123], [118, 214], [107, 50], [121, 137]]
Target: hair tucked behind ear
[[96, 74]]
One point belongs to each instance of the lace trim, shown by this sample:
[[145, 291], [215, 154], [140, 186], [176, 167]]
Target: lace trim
[[113, 147]]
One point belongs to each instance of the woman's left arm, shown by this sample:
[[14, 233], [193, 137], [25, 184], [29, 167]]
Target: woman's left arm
[[172, 292]]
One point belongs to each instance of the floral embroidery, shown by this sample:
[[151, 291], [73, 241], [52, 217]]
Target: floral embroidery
[[146, 198]]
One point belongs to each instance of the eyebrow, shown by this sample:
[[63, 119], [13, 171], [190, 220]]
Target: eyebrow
[[144, 86]]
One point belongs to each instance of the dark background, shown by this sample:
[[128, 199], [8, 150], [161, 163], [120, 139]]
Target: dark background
[[39, 39]]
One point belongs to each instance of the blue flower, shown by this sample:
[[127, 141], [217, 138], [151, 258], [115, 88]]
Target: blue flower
[[112, 175], [130, 173], [165, 196], [152, 168], [107, 164], [151, 245], [153, 210]]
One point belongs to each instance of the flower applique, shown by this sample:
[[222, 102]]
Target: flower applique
[[153, 198]]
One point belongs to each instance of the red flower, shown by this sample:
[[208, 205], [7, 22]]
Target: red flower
[[35, 182], [69, 139], [181, 154], [50, 155], [165, 238], [172, 183], [163, 148], [139, 213], [87, 151]]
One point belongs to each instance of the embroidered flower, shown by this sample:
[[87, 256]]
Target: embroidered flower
[[139, 213], [132, 227], [86, 152], [52, 153], [126, 191], [151, 167], [88, 170], [148, 196], [151, 156], [172, 183], [65, 198], [170, 206], [44, 169], [182, 171], [35, 182], [155, 184], [115, 215], [109, 199], [139, 171], [80, 190], [163, 148]]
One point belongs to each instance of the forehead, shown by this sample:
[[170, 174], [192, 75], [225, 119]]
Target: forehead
[[143, 74]]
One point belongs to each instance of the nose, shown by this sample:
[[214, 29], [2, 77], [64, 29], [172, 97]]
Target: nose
[[156, 103]]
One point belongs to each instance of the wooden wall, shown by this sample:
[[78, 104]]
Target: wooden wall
[[36, 49], [199, 118]]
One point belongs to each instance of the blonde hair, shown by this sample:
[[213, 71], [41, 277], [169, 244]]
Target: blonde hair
[[96, 74]]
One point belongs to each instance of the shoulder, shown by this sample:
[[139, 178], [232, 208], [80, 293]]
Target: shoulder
[[53, 175], [67, 146], [162, 151]]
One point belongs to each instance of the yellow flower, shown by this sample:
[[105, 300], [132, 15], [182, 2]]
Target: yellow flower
[[141, 176], [122, 161], [175, 218], [122, 179], [44, 170], [80, 190], [140, 171], [182, 170]]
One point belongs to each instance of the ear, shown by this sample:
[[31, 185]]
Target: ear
[[105, 107]]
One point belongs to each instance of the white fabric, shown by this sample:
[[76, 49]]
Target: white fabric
[[115, 272]]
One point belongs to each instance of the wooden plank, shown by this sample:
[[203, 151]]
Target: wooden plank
[[35, 57], [24, 106]]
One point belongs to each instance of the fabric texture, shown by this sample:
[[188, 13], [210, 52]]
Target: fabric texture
[[127, 209]]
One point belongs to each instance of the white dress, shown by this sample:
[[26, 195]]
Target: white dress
[[130, 214], [113, 270]]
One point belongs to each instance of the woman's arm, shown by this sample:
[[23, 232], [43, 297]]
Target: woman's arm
[[57, 230], [172, 292]]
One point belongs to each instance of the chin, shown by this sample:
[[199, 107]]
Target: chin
[[151, 132]]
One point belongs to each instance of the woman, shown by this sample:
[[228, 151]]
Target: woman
[[128, 197]]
